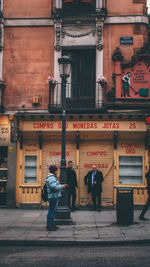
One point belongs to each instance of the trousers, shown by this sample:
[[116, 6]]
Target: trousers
[[96, 195], [146, 206], [72, 194], [53, 204]]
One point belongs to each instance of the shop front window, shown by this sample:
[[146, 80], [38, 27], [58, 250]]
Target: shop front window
[[30, 169], [130, 170], [3, 174]]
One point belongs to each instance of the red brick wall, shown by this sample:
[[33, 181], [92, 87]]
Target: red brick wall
[[27, 8], [28, 61], [126, 7]]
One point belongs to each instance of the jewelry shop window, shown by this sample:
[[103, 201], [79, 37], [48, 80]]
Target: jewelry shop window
[[30, 169], [130, 169]]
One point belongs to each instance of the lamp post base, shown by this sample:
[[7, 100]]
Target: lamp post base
[[63, 216]]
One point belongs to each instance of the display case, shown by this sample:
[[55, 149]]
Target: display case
[[3, 186], [130, 170], [3, 176]]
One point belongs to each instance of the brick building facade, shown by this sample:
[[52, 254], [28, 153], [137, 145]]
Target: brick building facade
[[105, 124]]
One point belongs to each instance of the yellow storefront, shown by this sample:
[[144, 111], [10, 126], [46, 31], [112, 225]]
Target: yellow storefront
[[4, 147], [111, 145]]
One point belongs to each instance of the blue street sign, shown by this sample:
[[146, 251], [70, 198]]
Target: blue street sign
[[126, 40]]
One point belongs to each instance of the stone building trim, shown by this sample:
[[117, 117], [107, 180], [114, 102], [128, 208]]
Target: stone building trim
[[50, 22]]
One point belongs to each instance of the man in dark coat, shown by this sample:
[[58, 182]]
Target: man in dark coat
[[72, 184], [145, 208], [94, 179]]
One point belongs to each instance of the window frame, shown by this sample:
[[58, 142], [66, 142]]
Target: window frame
[[36, 181], [130, 184]]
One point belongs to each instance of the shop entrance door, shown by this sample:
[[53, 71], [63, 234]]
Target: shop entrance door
[[101, 154], [52, 156], [3, 175]]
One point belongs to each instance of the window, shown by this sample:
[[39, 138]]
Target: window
[[83, 73], [130, 170], [30, 169], [77, 6]]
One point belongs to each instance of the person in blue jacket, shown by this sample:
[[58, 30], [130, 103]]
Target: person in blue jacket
[[54, 193]]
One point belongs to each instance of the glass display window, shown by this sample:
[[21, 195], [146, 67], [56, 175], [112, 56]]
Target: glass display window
[[130, 170], [3, 174], [30, 175]]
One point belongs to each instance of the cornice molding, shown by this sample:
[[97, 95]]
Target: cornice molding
[[28, 22], [37, 22]]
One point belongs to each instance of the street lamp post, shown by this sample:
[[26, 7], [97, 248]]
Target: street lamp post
[[63, 212]]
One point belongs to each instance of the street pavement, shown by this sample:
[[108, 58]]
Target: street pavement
[[28, 227]]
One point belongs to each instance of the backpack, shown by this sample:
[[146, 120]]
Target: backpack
[[44, 193]]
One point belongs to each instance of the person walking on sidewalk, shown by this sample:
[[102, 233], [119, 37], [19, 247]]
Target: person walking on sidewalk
[[145, 208], [72, 184], [94, 179], [54, 192]]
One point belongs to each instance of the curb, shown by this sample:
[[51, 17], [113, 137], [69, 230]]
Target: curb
[[73, 243]]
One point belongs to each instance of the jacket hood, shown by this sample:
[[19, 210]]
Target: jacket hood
[[49, 175]]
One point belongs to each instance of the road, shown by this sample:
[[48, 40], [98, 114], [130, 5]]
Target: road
[[112, 256]]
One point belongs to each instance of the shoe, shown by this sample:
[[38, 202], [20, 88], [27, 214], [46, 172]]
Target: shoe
[[99, 210], [142, 218], [51, 228], [93, 209], [77, 208]]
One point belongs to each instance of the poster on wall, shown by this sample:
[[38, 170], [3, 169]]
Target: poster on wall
[[136, 82]]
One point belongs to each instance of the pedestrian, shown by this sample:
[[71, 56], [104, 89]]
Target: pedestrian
[[72, 185], [126, 84], [93, 180], [54, 193], [145, 208]]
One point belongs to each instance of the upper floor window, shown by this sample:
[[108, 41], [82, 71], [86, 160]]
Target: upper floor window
[[78, 7], [83, 6], [82, 76]]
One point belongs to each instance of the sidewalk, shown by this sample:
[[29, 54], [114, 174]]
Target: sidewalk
[[27, 227]]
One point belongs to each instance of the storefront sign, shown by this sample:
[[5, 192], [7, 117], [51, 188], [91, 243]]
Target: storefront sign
[[131, 147], [85, 126], [4, 134]]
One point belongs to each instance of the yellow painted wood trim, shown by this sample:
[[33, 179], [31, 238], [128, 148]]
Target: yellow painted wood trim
[[35, 186], [77, 172], [130, 186], [40, 168]]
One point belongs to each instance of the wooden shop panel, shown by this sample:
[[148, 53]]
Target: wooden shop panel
[[51, 155], [101, 154], [29, 191], [132, 147]]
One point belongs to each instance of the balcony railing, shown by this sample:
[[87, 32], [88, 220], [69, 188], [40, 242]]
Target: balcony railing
[[76, 99]]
